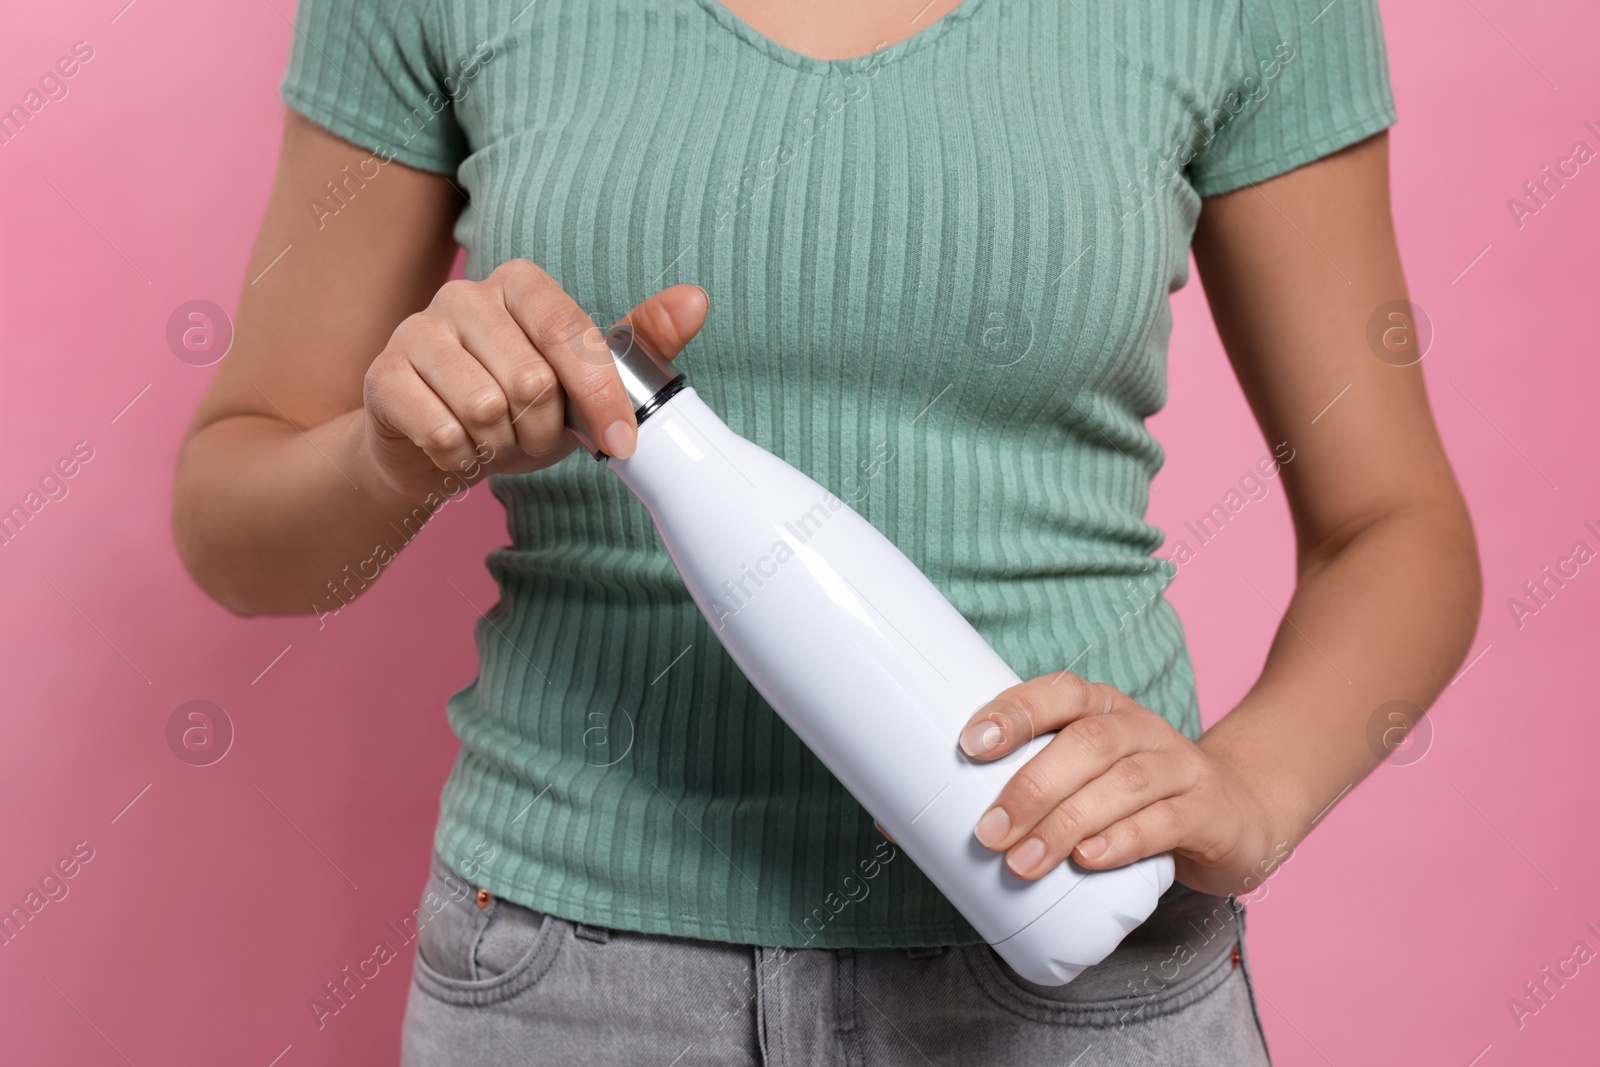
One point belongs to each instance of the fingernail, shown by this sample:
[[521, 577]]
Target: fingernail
[[1091, 847], [993, 827], [704, 294], [998, 724], [1026, 856], [982, 737], [618, 439]]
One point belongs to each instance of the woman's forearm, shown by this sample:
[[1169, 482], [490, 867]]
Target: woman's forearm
[[1385, 614], [273, 520]]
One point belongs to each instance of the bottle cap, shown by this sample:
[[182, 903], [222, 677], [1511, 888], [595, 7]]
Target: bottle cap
[[646, 377]]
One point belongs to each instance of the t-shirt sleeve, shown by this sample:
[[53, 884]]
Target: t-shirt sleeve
[[1309, 77], [367, 70]]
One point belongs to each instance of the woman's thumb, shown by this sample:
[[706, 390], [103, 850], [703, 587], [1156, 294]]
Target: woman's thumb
[[669, 320]]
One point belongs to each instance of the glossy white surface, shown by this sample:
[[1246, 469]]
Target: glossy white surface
[[875, 671]]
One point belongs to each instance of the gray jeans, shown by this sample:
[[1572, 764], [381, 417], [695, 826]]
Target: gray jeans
[[497, 983]]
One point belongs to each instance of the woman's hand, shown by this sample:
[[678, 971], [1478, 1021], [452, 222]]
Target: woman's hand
[[364, 388], [1116, 784], [479, 379]]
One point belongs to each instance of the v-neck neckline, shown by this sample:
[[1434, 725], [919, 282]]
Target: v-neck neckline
[[748, 35]]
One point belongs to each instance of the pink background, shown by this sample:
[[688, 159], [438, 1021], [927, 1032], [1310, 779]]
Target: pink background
[[225, 896]]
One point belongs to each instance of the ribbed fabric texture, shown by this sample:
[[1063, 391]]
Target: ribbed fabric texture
[[939, 285]]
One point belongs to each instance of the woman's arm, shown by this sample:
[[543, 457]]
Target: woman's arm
[[273, 496], [1387, 596], [362, 389], [1388, 588]]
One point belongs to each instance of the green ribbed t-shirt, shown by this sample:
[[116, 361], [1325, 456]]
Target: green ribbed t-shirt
[[939, 282]]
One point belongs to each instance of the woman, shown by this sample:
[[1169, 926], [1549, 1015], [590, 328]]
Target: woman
[[923, 251]]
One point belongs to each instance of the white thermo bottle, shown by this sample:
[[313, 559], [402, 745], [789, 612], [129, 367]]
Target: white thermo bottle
[[865, 660]]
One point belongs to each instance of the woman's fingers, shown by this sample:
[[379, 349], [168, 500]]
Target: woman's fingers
[[464, 381], [1035, 707], [481, 378], [526, 374], [1082, 751], [529, 416], [574, 347], [1159, 827], [1132, 784], [403, 405], [1110, 757]]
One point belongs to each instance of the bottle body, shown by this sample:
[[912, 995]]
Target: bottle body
[[875, 671]]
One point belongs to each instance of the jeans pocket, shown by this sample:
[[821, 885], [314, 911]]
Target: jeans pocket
[[1180, 957], [473, 953]]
